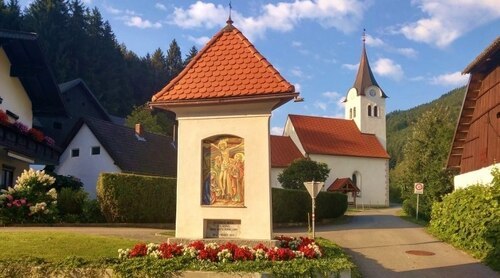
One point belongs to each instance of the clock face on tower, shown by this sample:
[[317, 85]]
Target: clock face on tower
[[372, 92]]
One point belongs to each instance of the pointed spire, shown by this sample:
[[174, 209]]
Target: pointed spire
[[365, 78], [229, 20]]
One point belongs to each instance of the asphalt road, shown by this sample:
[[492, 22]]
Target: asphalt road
[[378, 241]]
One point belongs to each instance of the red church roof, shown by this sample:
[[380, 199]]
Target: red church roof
[[331, 136], [283, 151], [228, 67]]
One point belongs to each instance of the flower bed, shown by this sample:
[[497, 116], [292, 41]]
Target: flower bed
[[288, 248]]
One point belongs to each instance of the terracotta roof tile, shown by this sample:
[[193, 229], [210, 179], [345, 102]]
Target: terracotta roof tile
[[283, 151], [228, 66], [332, 136]]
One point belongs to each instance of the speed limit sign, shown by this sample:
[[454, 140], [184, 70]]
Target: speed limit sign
[[418, 188]]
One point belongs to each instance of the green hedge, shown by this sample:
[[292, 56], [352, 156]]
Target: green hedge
[[131, 198], [291, 205], [470, 219]]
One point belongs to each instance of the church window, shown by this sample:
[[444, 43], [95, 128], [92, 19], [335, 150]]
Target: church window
[[369, 110], [354, 112], [350, 113], [375, 111]]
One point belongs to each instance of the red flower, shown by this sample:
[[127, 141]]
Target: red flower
[[170, 250], [242, 254], [139, 250], [304, 241], [280, 254], [208, 254], [261, 246], [36, 134], [198, 245]]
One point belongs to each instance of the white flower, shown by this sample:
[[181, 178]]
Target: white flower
[[190, 251], [123, 253], [152, 247], [52, 193]]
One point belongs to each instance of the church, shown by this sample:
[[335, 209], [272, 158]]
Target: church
[[354, 148]]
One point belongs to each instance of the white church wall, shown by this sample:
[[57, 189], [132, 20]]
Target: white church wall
[[373, 178]]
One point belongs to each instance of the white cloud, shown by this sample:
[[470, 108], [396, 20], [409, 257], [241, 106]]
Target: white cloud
[[296, 44], [112, 10], [297, 72], [386, 67], [450, 79], [408, 52], [320, 105], [332, 96], [200, 41], [448, 20], [137, 21], [276, 130], [351, 66], [160, 6], [343, 15], [375, 42]]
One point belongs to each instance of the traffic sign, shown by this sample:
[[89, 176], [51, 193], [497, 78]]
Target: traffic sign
[[418, 188]]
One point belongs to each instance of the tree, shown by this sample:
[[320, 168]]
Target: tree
[[424, 159], [10, 15], [192, 52], [302, 170], [152, 123], [174, 59]]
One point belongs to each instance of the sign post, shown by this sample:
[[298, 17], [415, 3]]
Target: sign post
[[418, 189], [313, 187]]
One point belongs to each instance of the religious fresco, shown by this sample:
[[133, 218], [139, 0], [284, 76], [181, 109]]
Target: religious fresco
[[223, 171]]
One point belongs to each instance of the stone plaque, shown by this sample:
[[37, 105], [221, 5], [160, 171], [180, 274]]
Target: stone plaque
[[222, 228]]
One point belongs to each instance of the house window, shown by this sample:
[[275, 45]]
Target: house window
[[375, 111], [370, 110], [75, 152], [7, 176], [57, 125], [96, 150]]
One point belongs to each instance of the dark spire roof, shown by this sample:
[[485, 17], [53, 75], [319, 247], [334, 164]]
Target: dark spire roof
[[365, 78]]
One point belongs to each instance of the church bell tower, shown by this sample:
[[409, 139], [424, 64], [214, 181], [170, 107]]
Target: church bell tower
[[365, 101]]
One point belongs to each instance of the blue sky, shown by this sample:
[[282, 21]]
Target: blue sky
[[417, 49]]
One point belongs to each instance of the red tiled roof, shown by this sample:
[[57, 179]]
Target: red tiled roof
[[343, 184], [331, 136], [283, 151], [229, 66]]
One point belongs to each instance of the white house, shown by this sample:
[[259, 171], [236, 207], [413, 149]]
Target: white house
[[95, 146], [353, 147], [27, 89]]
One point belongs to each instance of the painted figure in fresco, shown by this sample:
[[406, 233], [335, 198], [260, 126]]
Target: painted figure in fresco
[[225, 154]]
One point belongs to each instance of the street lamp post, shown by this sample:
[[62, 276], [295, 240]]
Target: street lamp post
[[313, 187]]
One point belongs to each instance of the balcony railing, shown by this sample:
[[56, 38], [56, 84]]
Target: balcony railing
[[13, 140]]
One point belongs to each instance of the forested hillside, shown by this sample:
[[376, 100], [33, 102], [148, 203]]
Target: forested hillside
[[399, 123], [78, 43]]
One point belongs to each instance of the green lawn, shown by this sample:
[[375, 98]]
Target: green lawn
[[55, 246]]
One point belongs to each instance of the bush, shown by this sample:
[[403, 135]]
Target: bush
[[291, 205], [92, 212], [469, 219], [71, 201], [32, 199], [136, 198]]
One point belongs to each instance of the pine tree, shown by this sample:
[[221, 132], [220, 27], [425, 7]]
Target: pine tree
[[10, 15], [192, 52], [159, 69], [49, 19], [174, 59]]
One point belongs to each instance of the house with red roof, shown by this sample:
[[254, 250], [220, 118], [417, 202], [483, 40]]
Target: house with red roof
[[353, 148], [475, 149]]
